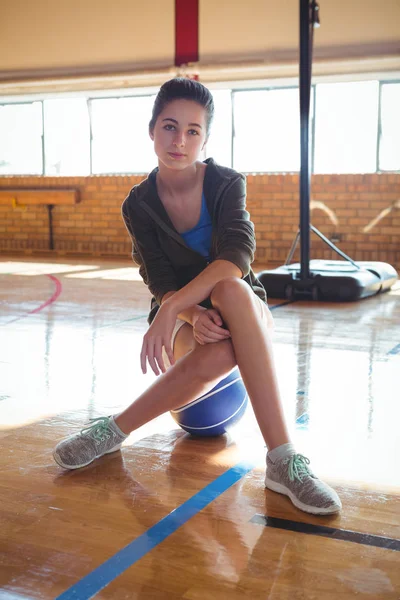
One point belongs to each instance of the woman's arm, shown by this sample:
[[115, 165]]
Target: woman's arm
[[160, 331], [200, 287], [154, 267], [188, 314], [236, 240], [235, 250]]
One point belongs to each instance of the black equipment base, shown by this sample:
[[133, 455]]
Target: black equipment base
[[336, 280]]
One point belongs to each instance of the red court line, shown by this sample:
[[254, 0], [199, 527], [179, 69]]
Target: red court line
[[51, 300]]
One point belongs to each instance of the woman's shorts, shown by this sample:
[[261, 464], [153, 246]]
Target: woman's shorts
[[264, 314], [178, 324]]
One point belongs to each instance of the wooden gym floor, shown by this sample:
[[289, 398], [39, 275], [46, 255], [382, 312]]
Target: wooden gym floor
[[172, 516]]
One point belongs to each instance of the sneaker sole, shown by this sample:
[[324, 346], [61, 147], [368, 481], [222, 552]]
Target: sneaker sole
[[314, 510], [71, 467]]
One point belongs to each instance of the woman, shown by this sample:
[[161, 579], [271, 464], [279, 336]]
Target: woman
[[194, 244]]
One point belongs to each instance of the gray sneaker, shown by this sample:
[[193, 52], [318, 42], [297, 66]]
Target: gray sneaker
[[292, 477], [103, 436]]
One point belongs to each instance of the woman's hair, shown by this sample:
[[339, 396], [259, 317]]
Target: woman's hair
[[182, 88]]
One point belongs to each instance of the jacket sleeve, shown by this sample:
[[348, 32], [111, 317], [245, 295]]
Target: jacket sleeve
[[154, 266], [236, 239]]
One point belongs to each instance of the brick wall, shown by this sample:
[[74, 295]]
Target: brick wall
[[94, 226], [273, 202]]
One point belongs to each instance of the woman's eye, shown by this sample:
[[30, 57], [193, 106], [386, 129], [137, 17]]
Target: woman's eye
[[169, 127]]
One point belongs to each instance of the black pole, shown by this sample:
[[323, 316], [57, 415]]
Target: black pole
[[309, 17], [305, 170], [50, 211]]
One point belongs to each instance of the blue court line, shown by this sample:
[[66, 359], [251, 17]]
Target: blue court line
[[282, 304], [303, 419], [124, 321], [145, 316], [395, 350], [103, 575]]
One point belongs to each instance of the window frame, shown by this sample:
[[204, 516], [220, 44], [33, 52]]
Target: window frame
[[234, 87]]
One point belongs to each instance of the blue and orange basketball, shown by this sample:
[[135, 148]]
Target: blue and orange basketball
[[217, 411]]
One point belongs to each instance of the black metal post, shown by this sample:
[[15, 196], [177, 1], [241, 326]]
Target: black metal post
[[305, 171], [330, 280], [51, 240]]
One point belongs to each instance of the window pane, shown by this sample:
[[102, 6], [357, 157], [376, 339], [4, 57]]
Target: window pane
[[121, 141], [21, 139], [389, 151], [346, 127], [67, 137], [220, 142], [267, 130]]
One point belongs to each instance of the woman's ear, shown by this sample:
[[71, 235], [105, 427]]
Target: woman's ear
[[151, 134], [205, 144]]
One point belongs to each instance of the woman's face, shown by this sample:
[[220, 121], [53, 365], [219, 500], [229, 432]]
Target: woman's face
[[179, 134]]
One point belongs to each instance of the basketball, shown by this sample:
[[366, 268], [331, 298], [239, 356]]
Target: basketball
[[215, 412]]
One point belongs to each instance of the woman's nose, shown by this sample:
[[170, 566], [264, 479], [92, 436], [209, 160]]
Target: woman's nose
[[179, 139]]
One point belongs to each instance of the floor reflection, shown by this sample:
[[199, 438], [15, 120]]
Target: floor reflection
[[77, 359]]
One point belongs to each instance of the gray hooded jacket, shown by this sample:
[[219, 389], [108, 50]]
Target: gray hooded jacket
[[165, 261]]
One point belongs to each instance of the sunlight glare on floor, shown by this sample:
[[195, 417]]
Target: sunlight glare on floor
[[395, 290], [124, 274], [23, 268]]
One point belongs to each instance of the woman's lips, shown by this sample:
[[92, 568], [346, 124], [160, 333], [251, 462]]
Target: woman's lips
[[176, 155]]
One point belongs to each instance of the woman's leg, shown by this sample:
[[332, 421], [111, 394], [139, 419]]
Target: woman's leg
[[287, 472], [196, 371], [249, 324]]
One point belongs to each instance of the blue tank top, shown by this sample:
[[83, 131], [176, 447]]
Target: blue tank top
[[199, 237]]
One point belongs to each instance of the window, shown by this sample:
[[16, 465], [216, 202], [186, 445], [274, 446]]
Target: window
[[219, 145], [354, 128], [21, 139], [67, 137], [389, 150], [267, 130], [120, 135], [346, 127]]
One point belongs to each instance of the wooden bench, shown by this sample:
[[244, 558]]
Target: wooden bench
[[21, 197]]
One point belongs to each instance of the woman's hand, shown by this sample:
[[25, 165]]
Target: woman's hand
[[158, 336], [208, 327]]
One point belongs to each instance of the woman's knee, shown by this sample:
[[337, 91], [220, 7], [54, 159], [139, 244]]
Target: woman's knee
[[232, 292], [236, 293], [228, 289]]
